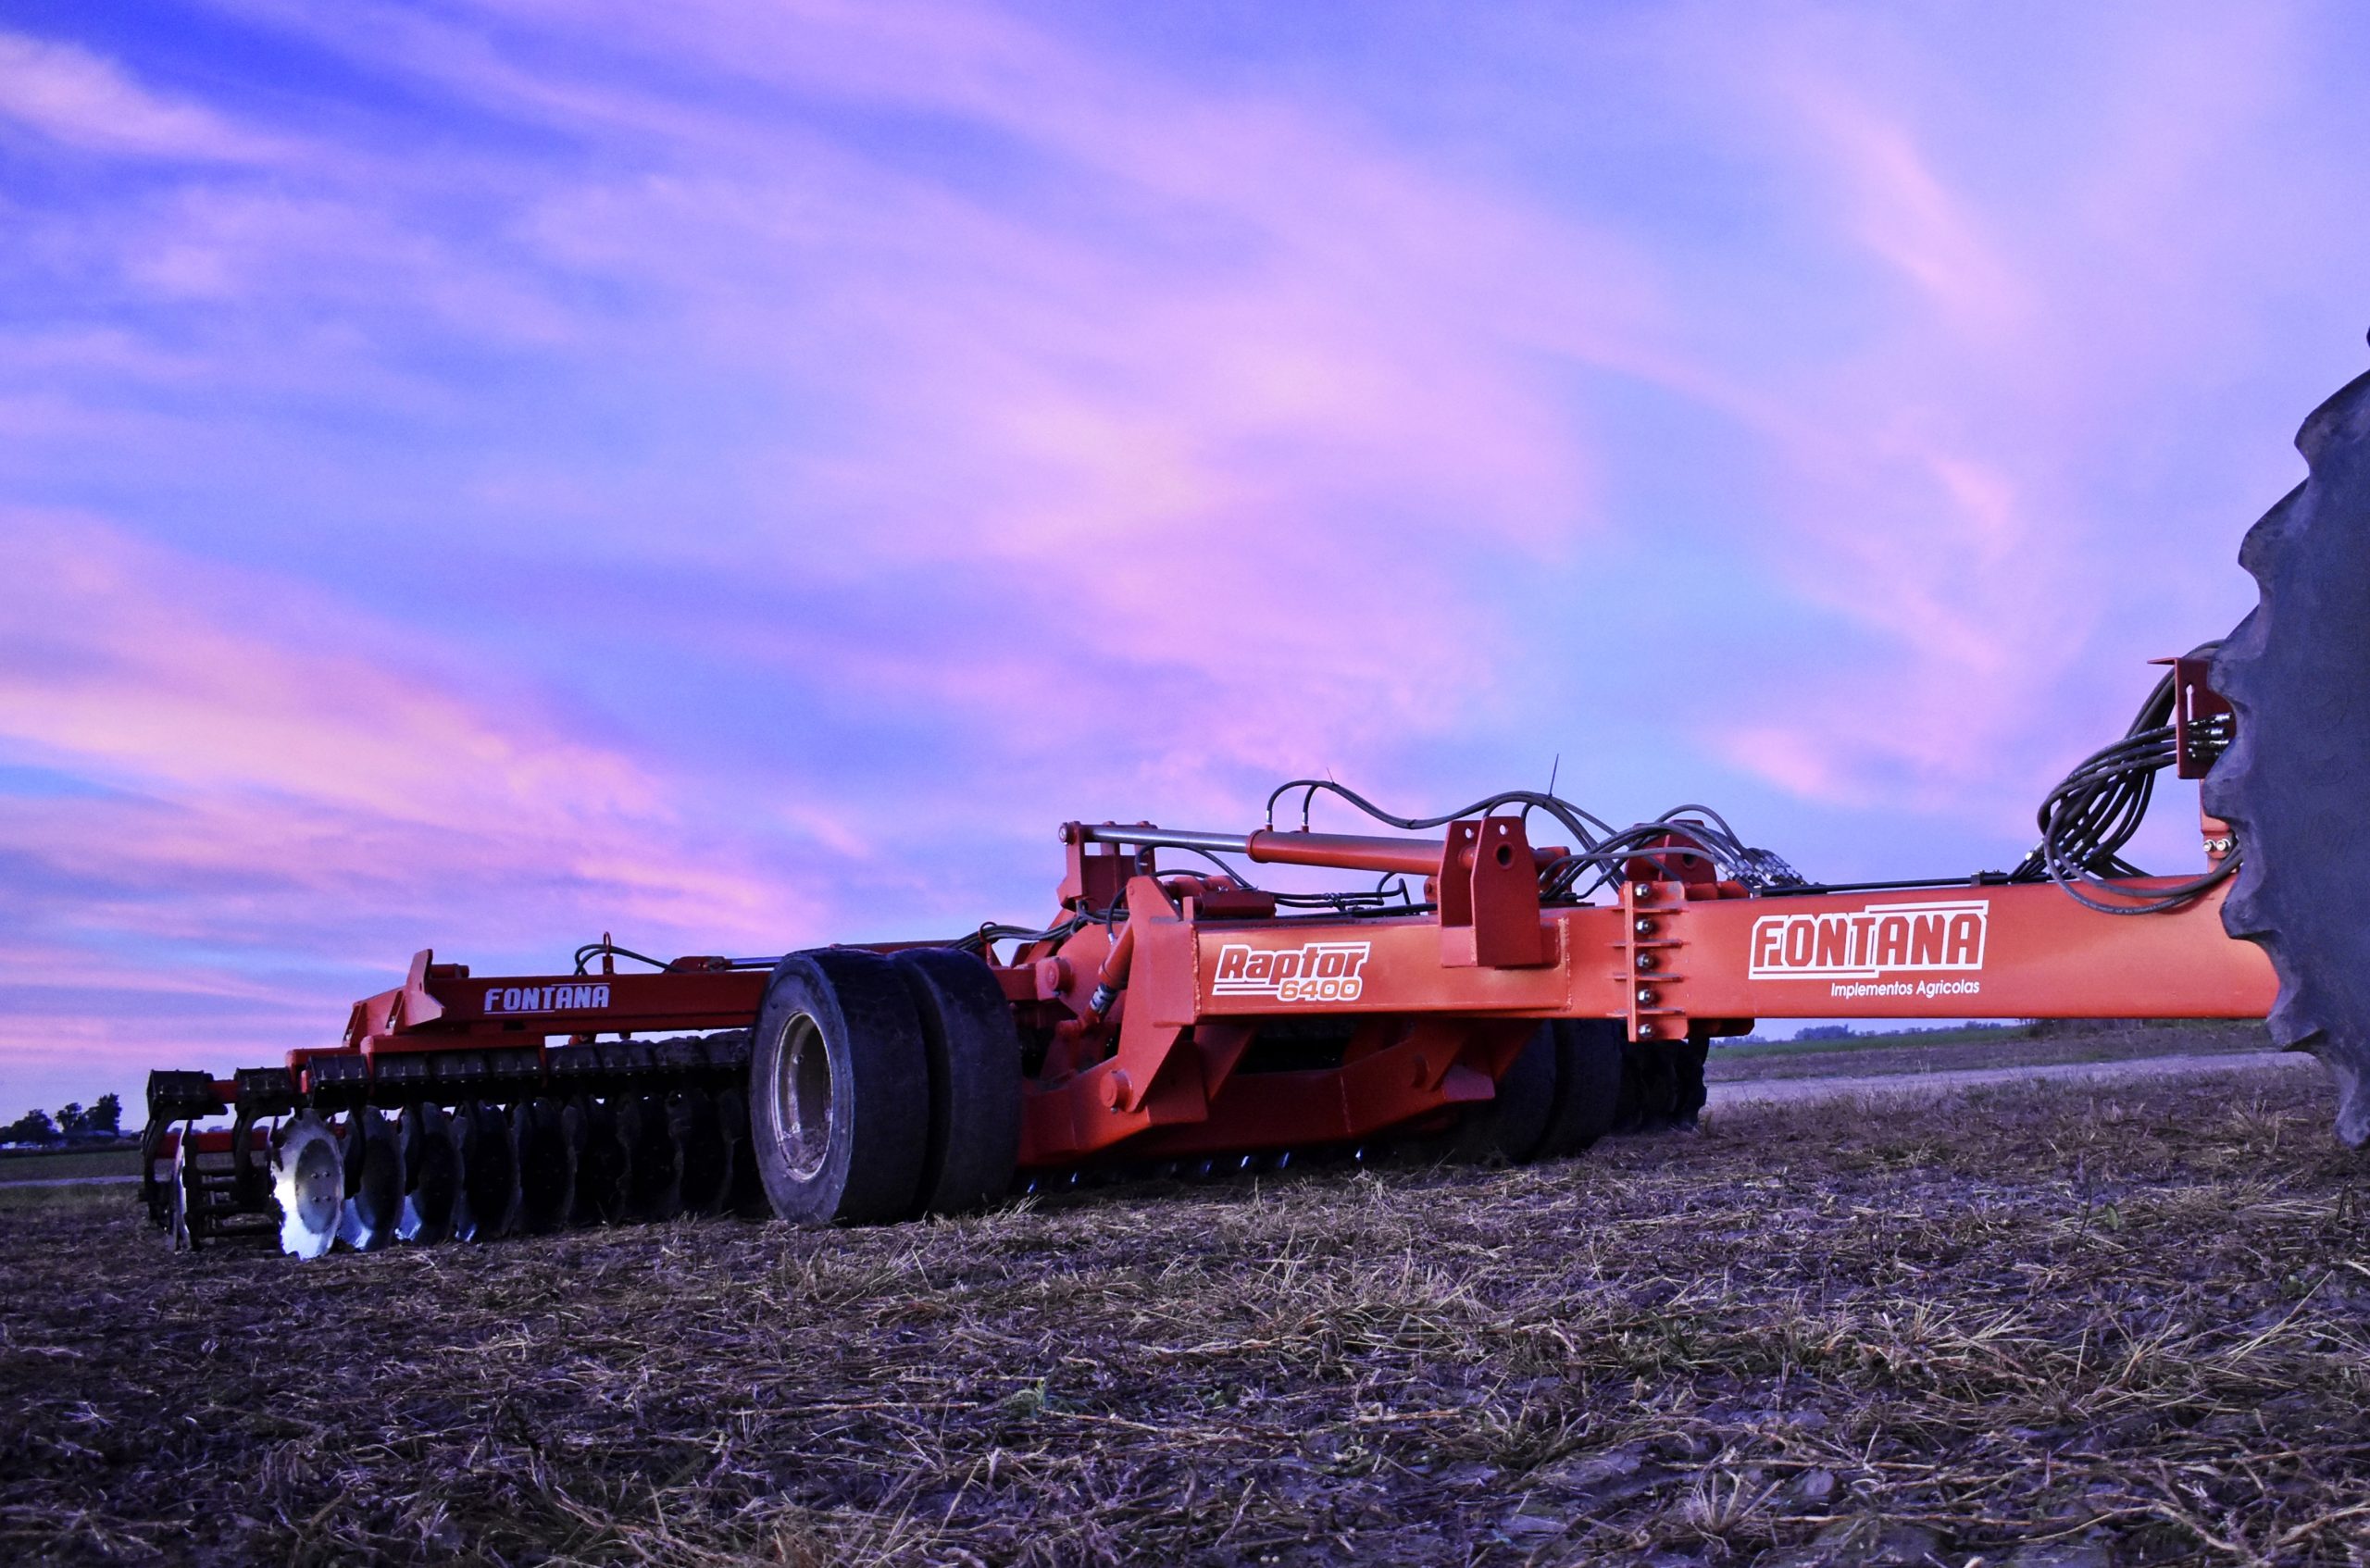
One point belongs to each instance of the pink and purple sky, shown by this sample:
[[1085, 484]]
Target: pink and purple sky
[[737, 475]]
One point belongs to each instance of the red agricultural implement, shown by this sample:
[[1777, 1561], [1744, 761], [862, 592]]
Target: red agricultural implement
[[1513, 980]]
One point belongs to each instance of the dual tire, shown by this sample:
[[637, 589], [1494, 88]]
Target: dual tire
[[883, 1088], [1561, 1095]]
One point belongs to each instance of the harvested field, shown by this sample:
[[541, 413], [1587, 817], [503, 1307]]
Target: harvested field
[[75, 1181], [1940, 1050], [2033, 1326], [68, 1164]]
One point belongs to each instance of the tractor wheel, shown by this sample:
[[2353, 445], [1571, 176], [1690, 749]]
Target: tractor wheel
[[974, 1052], [839, 1090], [2289, 786], [308, 1186], [1511, 1128], [1587, 1086]]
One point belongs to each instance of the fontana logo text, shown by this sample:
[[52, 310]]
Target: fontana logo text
[[546, 998], [1883, 939]]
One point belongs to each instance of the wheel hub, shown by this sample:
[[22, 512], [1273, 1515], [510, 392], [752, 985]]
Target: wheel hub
[[802, 1098]]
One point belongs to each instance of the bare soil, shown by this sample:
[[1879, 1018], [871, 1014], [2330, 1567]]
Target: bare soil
[[2072, 1325]]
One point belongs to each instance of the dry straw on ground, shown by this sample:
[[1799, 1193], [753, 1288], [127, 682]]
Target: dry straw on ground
[[2073, 1327]]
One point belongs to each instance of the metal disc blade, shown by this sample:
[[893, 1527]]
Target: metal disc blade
[[308, 1186], [374, 1181], [652, 1188], [179, 1234], [485, 1177], [544, 1177], [744, 1188], [600, 1162], [427, 1152], [702, 1159]]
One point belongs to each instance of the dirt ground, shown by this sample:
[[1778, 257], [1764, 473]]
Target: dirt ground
[[2073, 1326]]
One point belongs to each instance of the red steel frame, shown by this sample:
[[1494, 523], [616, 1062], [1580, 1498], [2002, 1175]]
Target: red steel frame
[[1145, 1018]]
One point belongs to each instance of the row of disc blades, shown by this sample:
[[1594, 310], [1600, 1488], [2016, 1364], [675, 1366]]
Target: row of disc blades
[[484, 1169]]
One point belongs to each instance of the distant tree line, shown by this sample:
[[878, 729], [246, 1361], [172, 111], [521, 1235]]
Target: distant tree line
[[73, 1121]]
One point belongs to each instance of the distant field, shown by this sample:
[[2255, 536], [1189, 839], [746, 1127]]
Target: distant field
[[2077, 1324], [78, 1163], [78, 1167], [1945, 1051]]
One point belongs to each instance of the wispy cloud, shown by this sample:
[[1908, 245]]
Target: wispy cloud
[[259, 769], [747, 471], [88, 102], [1958, 472]]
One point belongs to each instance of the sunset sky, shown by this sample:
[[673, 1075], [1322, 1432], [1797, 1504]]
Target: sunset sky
[[739, 475]]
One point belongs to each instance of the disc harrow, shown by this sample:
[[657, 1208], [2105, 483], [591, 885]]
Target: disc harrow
[[642, 1131], [1469, 993], [1511, 1010]]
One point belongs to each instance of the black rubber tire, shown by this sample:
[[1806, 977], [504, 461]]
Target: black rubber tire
[[2291, 784], [838, 1039], [1587, 1086], [1509, 1128], [975, 1088]]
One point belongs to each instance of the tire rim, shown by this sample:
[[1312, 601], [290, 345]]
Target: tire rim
[[802, 1098]]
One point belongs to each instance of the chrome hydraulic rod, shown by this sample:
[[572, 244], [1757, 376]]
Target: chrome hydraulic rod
[[1346, 852]]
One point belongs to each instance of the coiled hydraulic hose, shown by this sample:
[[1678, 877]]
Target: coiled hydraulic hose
[[2087, 820]]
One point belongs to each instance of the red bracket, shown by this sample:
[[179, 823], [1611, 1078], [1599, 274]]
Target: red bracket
[[419, 1006], [2196, 739], [1488, 897]]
